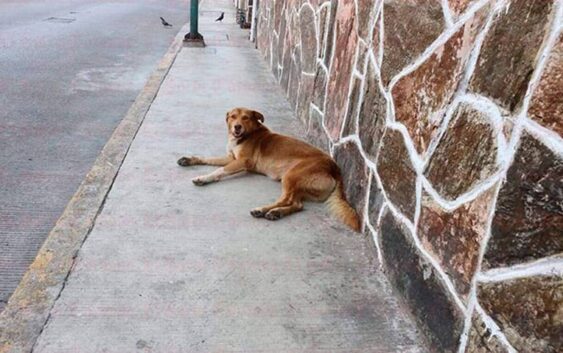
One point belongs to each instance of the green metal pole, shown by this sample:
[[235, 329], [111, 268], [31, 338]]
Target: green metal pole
[[193, 38], [194, 4]]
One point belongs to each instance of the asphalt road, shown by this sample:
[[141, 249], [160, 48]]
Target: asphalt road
[[69, 70]]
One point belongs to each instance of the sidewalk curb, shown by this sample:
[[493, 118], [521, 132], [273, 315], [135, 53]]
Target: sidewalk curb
[[28, 309]]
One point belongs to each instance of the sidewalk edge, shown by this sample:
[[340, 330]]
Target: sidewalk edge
[[28, 309]]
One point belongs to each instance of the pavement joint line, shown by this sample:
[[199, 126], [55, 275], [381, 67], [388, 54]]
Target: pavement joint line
[[29, 308]]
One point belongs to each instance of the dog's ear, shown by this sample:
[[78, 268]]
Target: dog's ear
[[258, 116], [227, 117]]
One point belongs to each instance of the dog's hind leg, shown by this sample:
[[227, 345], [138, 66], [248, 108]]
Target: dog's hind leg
[[306, 180], [289, 201], [260, 212], [279, 212]]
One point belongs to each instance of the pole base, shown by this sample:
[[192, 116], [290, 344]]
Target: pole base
[[194, 40]]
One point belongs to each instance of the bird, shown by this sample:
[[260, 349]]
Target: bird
[[220, 18], [164, 23]]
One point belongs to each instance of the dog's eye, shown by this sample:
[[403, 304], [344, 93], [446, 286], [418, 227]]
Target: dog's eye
[[244, 118]]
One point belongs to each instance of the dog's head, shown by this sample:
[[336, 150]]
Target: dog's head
[[242, 122]]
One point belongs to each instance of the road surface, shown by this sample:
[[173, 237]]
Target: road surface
[[69, 70]]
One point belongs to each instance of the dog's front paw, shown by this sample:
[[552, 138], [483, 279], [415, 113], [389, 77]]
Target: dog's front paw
[[199, 181], [273, 215], [257, 213], [187, 161]]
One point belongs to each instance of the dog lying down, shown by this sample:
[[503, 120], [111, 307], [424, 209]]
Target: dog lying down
[[306, 173]]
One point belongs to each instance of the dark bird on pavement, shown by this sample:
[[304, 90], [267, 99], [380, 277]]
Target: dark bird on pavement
[[220, 18], [164, 23]]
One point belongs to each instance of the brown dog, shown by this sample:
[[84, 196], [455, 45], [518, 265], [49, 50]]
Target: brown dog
[[305, 171]]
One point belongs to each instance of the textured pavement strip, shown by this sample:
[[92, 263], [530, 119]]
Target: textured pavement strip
[[28, 309], [58, 111], [171, 267]]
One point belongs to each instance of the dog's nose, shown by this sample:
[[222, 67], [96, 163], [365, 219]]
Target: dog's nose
[[238, 127]]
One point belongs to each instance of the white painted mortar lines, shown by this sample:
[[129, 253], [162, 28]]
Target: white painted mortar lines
[[447, 13], [350, 88], [472, 298], [494, 329]]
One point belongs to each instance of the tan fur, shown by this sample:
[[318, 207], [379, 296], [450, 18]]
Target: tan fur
[[306, 172]]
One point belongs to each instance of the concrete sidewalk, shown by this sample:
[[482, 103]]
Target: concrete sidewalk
[[171, 267]]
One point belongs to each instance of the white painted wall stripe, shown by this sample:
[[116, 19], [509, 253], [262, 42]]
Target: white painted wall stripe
[[550, 266]]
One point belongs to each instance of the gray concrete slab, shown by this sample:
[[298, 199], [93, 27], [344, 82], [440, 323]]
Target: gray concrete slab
[[171, 267]]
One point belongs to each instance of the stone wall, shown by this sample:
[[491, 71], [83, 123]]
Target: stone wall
[[446, 117]]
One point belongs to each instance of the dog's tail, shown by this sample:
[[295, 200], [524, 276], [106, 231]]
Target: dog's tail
[[340, 208]]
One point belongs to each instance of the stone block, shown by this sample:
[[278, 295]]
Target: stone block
[[355, 174], [528, 310], [529, 211], [308, 38], [353, 107], [282, 36], [373, 110], [375, 201], [286, 70], [454, 237], [341, 67], [410, 26], [294, 78], [546, 106], [376, 37], [480, 339], [421, 97], [457, 7], [328, 43], [324, 14], [420, 284], [263, 37], [315, 132], [319, 87], [365, 11], [510, 50], [305, 97], [466, 154], [291, 38], [361, 57], [397, 173], [278, 15], [275, 57]]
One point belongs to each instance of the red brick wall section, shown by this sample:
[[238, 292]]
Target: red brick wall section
[[447, 116]]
